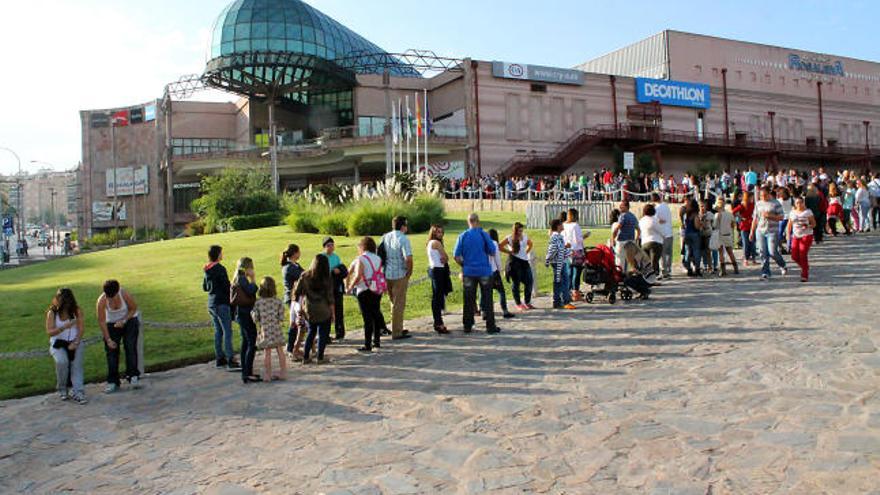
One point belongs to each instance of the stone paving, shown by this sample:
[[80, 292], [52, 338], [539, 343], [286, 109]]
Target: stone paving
[[715, 386]]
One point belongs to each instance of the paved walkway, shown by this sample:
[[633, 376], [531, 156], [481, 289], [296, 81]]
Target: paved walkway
[[715, 386]]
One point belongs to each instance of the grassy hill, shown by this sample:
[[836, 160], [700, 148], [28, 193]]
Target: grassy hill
[[165, 278]]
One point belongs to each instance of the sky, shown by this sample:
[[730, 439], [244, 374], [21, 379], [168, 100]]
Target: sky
[[63, 56]]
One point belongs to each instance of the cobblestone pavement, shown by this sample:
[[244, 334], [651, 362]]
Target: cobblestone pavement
[[714, 386]]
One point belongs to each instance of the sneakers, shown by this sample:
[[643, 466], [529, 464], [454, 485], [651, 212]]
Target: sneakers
[[80, 399], [233, 365], [569, 306], [522, 307], [765, 277], [63, 395], [529, 306], [111, 388], [508, 315], [402, 336], [221, 363], [493, 331], [135, 382], [783, 271]]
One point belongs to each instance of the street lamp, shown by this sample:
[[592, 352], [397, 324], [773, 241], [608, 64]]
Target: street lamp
[[20, 192]]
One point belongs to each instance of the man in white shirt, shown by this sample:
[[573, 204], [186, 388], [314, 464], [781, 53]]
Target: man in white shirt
[[664, 218]]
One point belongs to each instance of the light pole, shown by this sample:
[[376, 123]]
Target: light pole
[[20, 192], [54, 236]]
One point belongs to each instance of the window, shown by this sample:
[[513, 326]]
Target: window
[[184, 195], [371, 126], [539, 88], [196, 146]]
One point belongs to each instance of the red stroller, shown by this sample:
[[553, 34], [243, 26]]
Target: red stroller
[[602, 274]]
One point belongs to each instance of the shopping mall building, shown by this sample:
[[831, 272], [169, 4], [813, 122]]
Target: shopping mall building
[[681, 100]]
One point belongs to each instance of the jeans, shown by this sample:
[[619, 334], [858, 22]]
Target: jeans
[[800, 248], [221, 318], [692, 255], [749, 252], [864, 216], [470, 301], [576, 271], [781, 233], [368, 301], [438, 299], [655, 252], [322, 330], [769, 249], [498, 286], [666, 258], [339, 316], [521, 273], [67, 371], [125, 337], [706, 254], [561, 291], [248, 341]]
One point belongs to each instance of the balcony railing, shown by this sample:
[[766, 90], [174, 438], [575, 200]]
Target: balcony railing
[[438, 132]]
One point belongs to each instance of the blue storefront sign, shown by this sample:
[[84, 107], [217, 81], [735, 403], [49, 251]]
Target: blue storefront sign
[[674, 93], [817, 65]]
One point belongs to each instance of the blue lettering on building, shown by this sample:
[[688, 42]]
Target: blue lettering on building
[[795, 62], [674, 93]]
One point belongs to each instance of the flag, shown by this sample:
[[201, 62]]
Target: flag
[[395, 127], [418, 116], [428, 124], [408, 119]]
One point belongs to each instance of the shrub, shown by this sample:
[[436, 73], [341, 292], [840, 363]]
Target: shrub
[[333, 224], [370, 219], [247, 222], [194, 228], [303, 222], [424, 211], [234, 192]]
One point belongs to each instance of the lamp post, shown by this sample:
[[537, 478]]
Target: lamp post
[[20, 193], [54, 236]]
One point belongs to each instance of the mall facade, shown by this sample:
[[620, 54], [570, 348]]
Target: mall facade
[[686, 101]]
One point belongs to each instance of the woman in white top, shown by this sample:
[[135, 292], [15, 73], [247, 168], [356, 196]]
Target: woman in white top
[[118, 317], [497, 282], [652, 235], [362, 283], [725, 224], [574, 236], [438, 272], [64, 324], [800, 231], [519, 247]]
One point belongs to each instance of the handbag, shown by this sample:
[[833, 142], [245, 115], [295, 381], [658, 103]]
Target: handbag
[[578, 258], [239, 297], [715, 240]]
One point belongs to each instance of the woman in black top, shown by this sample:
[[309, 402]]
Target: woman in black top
[[290, 273]]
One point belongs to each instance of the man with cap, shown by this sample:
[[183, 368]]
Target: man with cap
[[338, 273]]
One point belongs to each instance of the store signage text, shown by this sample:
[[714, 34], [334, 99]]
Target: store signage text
[[674, 93], [818, 65], [539, 73]]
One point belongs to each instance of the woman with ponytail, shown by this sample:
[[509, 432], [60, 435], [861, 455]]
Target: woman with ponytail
[[242, 297], [290, 273]]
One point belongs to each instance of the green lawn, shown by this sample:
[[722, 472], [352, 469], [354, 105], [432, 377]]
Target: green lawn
[[166, 278]]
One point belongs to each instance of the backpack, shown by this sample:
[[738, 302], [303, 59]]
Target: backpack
[[377, 283]]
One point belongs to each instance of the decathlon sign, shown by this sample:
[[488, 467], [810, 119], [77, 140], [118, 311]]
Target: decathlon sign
[[540, 73], [675, 93]]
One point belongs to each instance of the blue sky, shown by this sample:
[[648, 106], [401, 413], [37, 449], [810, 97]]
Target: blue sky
[[102, 53]]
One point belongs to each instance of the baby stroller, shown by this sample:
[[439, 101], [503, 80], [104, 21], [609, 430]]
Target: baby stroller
[[603, 275]]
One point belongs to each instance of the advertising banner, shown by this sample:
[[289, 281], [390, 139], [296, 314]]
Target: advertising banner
[[540, 73], [449, 170], [129, 180], [673, 93], [102, 211], [149, 113]]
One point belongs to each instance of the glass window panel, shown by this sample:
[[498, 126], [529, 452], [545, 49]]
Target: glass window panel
[[260, 44], [242, 31], [295, 47], [276, 30], [310, 49], [276, 45], [294, 31], [308, 34], [260, 30], [242, 46], [228, 32], [244, 15], [322, 52]]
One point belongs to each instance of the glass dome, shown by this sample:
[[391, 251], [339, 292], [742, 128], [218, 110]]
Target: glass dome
[[289, 26]]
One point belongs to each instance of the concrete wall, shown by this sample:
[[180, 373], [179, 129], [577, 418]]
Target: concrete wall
[[482, 205]]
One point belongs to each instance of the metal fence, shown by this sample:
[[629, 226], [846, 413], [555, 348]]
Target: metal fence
[[590, 213]]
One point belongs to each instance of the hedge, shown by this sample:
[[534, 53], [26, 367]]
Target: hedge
[[247, 222], [364, 217]]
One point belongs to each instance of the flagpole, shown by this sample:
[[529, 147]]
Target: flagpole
[[408, 134], [393, 138], [418, 127], [400, 132], [426, 128]]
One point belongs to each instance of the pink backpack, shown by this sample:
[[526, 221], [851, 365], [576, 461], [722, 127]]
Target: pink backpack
[[377, 283]]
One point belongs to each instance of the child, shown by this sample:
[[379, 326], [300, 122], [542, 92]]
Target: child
[[497, 281], [557, 258], [268, 313]]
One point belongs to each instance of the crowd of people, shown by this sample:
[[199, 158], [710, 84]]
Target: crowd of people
[[291, 320]]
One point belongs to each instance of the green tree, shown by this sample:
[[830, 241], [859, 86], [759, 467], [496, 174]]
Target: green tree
[[235, 192]]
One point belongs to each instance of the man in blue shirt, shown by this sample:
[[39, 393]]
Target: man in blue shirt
[[472, 251], [751, 180]]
